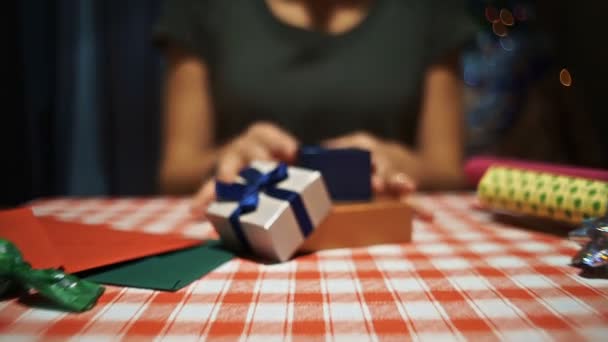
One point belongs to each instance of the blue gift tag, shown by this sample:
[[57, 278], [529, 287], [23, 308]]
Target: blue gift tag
[[346, 172]]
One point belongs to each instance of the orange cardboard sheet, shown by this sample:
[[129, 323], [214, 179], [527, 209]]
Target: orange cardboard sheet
[[22, 228], [362, 224], [46, 242], [84, 247]]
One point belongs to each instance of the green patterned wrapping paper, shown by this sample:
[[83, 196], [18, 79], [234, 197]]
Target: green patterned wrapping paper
[[556, 197]]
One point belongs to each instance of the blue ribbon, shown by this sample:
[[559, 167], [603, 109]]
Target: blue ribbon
[[248, 199]]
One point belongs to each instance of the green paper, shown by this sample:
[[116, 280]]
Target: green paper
[[167, 272]]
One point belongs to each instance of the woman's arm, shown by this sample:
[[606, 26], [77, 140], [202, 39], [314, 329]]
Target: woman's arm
[[188, 147], [436, 163], [441, 130], [190, 152]]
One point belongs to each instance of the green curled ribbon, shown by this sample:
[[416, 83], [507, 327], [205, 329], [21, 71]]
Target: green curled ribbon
[[63, 289]]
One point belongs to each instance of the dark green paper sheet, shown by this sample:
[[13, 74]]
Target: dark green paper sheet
[[167, 272]]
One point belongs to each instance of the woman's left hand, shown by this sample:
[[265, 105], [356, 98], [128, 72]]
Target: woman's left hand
[[393, 165]]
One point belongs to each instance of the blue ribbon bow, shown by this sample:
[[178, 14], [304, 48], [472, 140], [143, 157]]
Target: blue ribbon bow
[[247, 196]]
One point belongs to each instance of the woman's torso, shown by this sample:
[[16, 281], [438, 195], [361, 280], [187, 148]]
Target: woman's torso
[[314, 84]]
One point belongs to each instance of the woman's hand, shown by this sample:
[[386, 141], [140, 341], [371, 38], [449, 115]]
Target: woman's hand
[[261, 141], [393, 165]]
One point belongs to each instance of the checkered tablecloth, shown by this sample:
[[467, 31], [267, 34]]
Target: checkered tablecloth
[[464, 277]]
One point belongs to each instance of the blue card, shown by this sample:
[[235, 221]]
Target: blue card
[[347, 172]]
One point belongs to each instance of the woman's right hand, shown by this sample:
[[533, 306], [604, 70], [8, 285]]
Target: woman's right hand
[[261, 141]]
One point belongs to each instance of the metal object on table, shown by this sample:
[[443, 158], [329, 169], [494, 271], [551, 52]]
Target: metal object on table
[[592, 235]]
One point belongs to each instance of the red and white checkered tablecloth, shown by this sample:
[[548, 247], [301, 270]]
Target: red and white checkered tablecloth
[[463, 278]]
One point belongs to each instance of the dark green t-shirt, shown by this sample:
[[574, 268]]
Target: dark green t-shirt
[[313, 84]]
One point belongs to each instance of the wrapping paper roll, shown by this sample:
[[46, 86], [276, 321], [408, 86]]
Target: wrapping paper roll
[[477, 166], [539, 194]]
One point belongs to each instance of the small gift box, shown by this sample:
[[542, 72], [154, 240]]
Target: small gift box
[[271, 210], [346, 171]]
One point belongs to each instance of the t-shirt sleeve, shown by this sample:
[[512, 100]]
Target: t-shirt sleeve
[[451, 27], [182, 23]]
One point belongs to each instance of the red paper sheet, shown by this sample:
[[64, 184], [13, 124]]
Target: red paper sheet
[[84, 247], [46, 242], [22, 228]]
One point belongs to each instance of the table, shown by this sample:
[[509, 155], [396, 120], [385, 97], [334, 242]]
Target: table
[[464, 277]]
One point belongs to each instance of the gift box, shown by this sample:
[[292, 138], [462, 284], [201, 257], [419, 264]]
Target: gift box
[[271, 210], [347, 172], [362, 224]]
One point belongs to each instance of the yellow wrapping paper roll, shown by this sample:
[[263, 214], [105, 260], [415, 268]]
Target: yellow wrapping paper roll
[[556, 197]]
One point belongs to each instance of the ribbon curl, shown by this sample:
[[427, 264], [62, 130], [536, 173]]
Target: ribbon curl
[[247, 196], [65, 290]]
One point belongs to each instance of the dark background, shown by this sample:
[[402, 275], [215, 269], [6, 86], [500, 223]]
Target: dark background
[[84, 94], [82, 108]]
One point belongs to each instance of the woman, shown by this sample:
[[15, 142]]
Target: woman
[[254, 79]]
